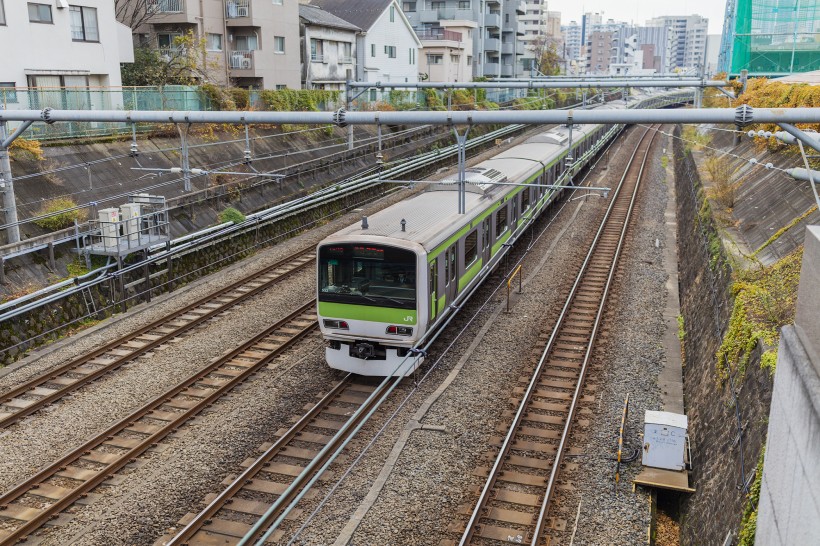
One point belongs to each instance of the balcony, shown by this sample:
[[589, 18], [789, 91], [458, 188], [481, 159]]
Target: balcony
[[521, 8], [507, 70], [490, 69], [166, 6], [239, 13], [492, 44], [346, 60], [492, 20], [519, 48], [508, 48], [439, 34], [318, 58], [444, 14], [241, 61], [169, 11]]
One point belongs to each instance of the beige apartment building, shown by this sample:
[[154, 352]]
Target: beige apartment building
[[249, 43]]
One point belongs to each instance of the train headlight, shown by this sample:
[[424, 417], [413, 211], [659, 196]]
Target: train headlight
[[336, 324], [399, 330]]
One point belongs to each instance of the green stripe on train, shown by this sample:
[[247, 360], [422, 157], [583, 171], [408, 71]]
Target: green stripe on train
[[368, 313]]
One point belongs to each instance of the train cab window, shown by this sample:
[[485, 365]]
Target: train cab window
[[470, 248], [500, 221], [366, 274]]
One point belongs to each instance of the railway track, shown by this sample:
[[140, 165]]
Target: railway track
[[284, 469], [49, 387], [514, 503], [32, 503]]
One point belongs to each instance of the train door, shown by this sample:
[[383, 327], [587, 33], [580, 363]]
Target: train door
[[514, 223], [450, 276], [433, 289], [486, 238]]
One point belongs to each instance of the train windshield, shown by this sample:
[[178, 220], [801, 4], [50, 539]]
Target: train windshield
[[367, 274]]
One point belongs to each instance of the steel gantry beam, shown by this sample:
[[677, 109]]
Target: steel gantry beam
[[741, 116], [543, 84]]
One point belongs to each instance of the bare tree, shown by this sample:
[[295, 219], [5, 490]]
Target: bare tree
[[545, 50], [135, 13]]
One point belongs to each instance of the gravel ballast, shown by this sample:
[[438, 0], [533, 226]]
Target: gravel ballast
[[440, 433]]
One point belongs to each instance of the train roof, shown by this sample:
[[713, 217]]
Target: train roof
[[430, 217]]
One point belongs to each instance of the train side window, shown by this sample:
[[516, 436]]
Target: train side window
[[470, 248], [500, 221], [453, 263], [525, 199], [486, 232]]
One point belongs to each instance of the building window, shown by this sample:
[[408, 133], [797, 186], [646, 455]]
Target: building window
[[246, 43], [347, 52], [390, 51], [213, 42], [8, 94], [168, 41], [278, 44], [316, 50], [39, 13], [437, 5], [392, 14], [463, 4], [409, 7], [84, 24], [277, 2], [455, 58], [435, 59], [3, 13], [469, 60], [280, 86], [372, 50], [372, 95]]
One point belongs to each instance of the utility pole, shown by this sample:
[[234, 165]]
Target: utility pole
[[7, 186]]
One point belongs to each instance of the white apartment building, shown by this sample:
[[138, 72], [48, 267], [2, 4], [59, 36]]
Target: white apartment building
[[62, 43], [328, 48], [387, 48], [572, 46], [447, 51], [687, 40], [249, 43]]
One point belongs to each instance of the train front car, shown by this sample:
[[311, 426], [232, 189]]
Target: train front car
[[369, 305]]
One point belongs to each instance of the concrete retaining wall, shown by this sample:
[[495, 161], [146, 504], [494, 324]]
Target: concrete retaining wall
[[789, 508]]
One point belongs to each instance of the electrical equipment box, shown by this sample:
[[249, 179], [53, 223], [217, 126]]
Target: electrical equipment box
[[130, 215], [665, 440], [109, 226]]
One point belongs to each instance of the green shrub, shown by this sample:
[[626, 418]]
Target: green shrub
[[59, 214], [230, 214]]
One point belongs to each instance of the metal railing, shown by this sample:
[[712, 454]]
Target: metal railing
[[237, 8], [166, 6], [317, 58], [439, 34], [241, 60]]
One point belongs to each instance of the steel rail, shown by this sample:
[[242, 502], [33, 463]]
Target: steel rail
[[301, 259], [478, 511], [599, 316], [224, 498], [67, 497]]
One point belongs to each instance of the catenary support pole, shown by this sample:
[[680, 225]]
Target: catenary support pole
[[461, 140], [186, 163], [7, 183], [348, 103]]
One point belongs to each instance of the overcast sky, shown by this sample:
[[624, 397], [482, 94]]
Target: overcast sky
[[638, 11]]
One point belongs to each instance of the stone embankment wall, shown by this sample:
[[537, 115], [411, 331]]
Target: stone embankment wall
[[727, 418]]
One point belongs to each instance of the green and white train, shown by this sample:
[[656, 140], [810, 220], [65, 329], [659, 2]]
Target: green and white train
[[384, 285]]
